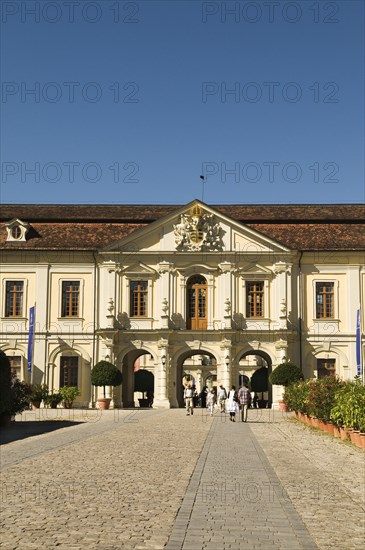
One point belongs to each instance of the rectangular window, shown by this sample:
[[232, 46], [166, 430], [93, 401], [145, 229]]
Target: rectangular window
[[138, 298], [70, 298], [325, 300], [16, 365], [326, 367], [255, 299], [69, 371], [14, 299]]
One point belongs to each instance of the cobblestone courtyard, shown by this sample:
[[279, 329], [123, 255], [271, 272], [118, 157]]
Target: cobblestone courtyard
[[152, 479]]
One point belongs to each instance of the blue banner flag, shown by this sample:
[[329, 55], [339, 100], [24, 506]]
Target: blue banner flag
[[358, 344], [31, 338]]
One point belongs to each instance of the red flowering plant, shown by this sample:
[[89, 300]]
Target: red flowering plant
[[321, 397], [296, 396]]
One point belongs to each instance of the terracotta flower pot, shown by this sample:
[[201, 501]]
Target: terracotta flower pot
[[328, 427], [336, 431], [104, 403], [283, 407], [344, 434], [321, 425], [356, 438], [362, 440], [315, 423]]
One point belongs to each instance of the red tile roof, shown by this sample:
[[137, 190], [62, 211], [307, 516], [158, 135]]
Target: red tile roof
[[136, 213], [91, 227]]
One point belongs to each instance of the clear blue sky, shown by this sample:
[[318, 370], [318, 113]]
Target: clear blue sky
[[131, 101]]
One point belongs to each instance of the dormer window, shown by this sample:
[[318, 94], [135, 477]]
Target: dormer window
[[17, 230]]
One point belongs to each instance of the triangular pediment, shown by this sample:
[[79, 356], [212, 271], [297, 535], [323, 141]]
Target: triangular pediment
[[139, 268], [196, 227], [256, 269], [16, 221]]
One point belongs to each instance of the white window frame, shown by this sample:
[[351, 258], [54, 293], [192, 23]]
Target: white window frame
[[25, 295], [81, 298], [135, 278], [335, 300], [256, 278]]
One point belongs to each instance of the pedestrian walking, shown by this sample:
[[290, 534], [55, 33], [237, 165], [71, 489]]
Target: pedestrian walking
[[203, 397], [255, 399], [244, 397], [232, 406], [188, 396], [221, 396], [211, 401], [195, 397]]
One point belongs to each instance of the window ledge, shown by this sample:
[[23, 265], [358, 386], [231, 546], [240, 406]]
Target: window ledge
[[70, 319], [14, 318], [326, 320]]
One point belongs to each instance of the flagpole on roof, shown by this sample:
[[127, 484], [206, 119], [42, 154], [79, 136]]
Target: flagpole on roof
[[203, 181]]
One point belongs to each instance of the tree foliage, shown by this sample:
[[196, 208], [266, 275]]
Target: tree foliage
[[106, 374], [259, 380], [285, 374], [143, 381]]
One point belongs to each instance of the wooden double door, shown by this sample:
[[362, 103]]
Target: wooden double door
[[197, 303]]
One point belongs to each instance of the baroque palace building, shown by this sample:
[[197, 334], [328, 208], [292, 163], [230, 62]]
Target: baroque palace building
[[213, 293]]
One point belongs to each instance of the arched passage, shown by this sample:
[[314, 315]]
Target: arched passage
[[133, 361], [194, 366], [257, 369]]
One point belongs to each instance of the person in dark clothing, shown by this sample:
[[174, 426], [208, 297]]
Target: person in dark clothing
[[203, 397]]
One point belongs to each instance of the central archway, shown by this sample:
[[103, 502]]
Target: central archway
[[257, 372], [195, 367]]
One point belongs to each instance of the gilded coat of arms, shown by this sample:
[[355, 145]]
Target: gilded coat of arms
[[198, 231]]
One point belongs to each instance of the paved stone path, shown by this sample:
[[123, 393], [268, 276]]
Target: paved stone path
[[159, 479], [235, 499]]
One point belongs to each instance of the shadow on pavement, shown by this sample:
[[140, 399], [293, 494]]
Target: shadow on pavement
[[21, 430]]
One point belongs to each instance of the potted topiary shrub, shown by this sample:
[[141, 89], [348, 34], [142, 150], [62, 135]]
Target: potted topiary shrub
[[38, 392], [105, 374], [144, 382], [52, 400], [68, 395], [283, 375]]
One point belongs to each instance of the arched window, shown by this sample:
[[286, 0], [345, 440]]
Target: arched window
[[197, 305]]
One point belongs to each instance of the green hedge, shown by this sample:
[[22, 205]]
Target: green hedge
[[329, 399]]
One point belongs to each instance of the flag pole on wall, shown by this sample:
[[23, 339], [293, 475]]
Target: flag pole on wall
[[358, 344], [31, 343]]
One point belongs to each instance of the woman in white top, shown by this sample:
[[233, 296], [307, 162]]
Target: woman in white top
[[232, 406], [211, 401]]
